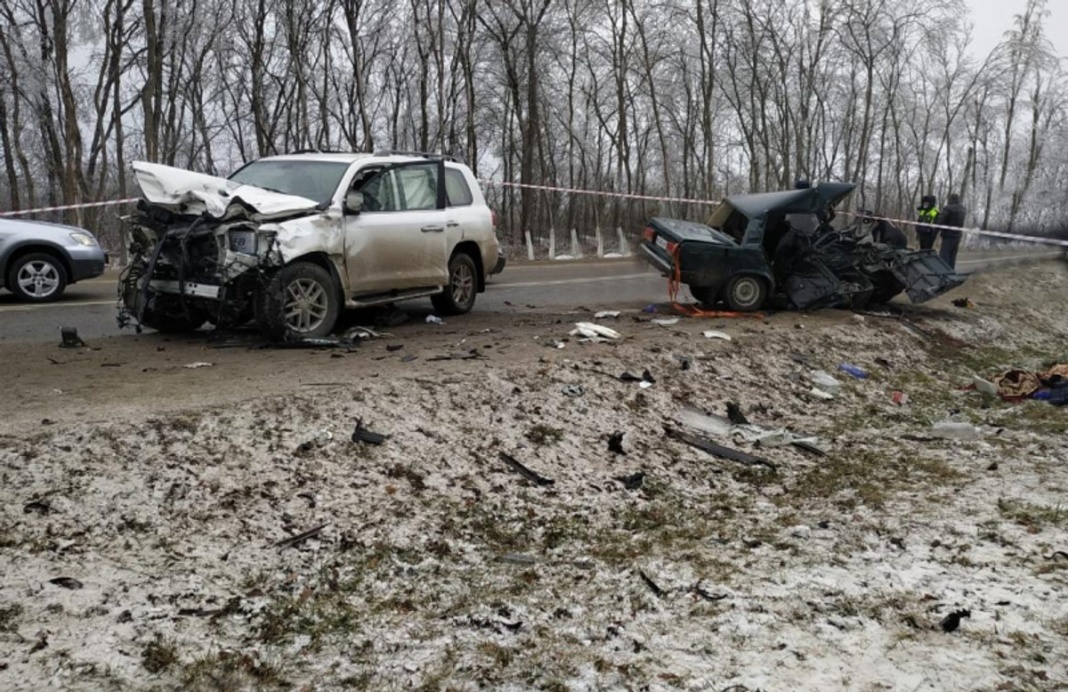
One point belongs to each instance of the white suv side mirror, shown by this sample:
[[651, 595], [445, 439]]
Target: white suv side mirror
[[353, 201]]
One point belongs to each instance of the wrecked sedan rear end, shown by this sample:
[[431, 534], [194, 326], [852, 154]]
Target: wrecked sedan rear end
[[710, 262], [201, 249]]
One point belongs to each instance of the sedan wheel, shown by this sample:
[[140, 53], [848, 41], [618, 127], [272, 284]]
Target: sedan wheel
[[37, 278]]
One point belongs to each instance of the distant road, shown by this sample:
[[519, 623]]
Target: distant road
[[90, 306]]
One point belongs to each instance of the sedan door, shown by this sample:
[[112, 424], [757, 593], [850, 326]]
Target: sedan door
[[397, 240]]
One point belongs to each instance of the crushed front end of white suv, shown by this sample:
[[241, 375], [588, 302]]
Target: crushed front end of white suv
[[289, 241]]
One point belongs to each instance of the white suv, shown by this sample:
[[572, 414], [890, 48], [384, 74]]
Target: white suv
[[291, 240]]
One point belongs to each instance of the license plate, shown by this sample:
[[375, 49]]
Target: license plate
[[661, 242], [243, 241]]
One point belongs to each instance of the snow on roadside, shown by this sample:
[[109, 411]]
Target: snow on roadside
[[440, 566]]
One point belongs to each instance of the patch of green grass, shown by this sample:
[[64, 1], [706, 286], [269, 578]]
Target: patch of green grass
[[232, 670], [867, 478], [159, 655], [1033, 517], [543, 435], [9, 617]]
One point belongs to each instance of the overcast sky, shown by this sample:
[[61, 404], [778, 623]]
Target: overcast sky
[[993, 17]]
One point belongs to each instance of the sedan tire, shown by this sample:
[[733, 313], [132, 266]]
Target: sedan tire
[[37, 278]]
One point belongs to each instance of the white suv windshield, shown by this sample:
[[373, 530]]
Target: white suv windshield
[[316, 180]]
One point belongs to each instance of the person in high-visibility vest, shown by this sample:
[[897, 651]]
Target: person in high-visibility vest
[[928, 213]]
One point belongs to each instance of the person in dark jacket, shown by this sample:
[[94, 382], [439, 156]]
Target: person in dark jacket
[[928, 214], [953, 214]]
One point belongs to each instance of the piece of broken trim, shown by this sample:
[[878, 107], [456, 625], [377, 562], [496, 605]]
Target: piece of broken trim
[[525, 471], [365, 436], [300, 537], [200, 364], [720, 451], [713, 334], [606, 314], [593, 332]]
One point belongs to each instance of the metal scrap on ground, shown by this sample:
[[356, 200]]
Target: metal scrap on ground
[[524, 471]]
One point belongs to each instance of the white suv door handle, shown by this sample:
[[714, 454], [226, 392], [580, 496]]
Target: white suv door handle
[[433, 229], [454, 224]]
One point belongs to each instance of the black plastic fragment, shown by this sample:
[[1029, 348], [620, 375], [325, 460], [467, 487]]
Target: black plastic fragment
[[721, 451], [526, 472], [365, 436]]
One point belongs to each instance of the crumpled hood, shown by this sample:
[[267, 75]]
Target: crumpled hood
[[189, 193]]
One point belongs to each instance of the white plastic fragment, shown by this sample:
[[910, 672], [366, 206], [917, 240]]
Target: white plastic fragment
[[827, 383], [713, 425], [199, 364], [984, 386], [665, 321], [953, 430], [606, 313], [645, 384], [820, 394], [713, 334], [594, 331], [434, 319]]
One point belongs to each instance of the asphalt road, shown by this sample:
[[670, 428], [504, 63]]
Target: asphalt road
[[90, 306]]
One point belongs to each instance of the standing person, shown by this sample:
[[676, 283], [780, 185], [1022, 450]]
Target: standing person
[[928, 213], [952, 214]]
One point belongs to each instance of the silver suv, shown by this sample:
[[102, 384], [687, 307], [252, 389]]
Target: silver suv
[[291, 240], [39, 260]]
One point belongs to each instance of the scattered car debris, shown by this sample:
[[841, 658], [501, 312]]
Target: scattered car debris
[[595, 332], [633, 481], [41, 642], [529, 474], [651, 584], [573, 390], [517, 559], [721, 451], [473, 354], [1056, 554], [300, 537], [362, 435], [357, 334], [955, 430], [197, 365], [984, 386], [899, 398], [647, 376], [665, 321], [321, 440], [606, 314], [854, 370], [70, 338], [723, 427], [963, 303], [66, 582], [818, 393], [707, 595], [554, 343], [714, 334], [735, 415], [826, 383], [685, 362], [40, 507], [951, 622], [615, 443], [434, 319]]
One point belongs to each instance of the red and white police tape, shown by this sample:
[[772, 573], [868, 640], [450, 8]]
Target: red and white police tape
[[65, 207], [620, 195]]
